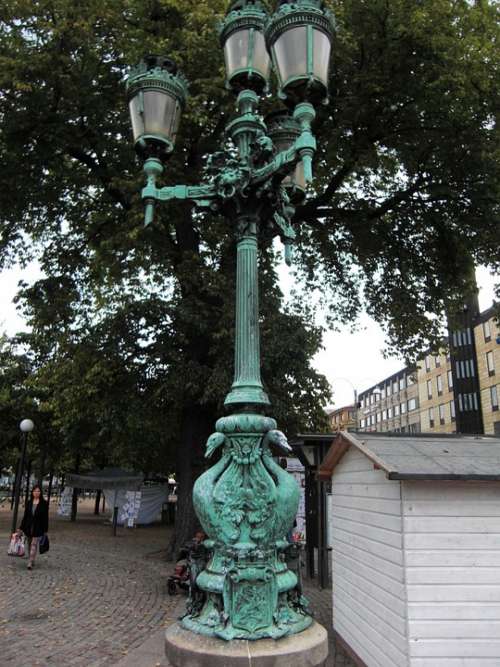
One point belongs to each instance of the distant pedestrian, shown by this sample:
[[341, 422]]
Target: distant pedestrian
[[35, 523]]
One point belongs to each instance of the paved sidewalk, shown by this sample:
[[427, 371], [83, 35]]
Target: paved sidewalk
[[96, 600]]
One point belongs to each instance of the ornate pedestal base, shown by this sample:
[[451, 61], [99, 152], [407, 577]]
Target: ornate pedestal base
[[306, 649]]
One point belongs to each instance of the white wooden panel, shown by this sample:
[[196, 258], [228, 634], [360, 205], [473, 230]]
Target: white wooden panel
[[452, 554], [451, 491], [395, 620], [445, 648], [391, 642], [452, 508], [391, 554], [389, 598], [472, 611], [454, 662], [371, 647], [459, 630], [462, 593], [383, 506], [452, 541], [357, 554], [453, 575], [453, 558], [360, 490], [369, 607], [385, 521], [376, 534], [448, 524]]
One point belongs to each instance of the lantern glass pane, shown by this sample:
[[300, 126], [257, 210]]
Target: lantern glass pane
[[297, 177], [160, 117], [261, 59], [236, 51], [290, 51], [321, 51]]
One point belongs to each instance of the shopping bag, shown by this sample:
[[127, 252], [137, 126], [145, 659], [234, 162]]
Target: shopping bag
[[44, 544], [16, 546]]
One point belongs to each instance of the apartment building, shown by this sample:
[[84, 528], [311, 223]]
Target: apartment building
[[392, 404], [487, 342], [343, 419], [435, 380], [450, 392]]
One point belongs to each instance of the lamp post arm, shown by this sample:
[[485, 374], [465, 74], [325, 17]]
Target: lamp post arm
[[201, 195]]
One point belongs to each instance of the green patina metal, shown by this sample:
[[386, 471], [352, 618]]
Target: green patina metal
[[312, 15], [246, 503]]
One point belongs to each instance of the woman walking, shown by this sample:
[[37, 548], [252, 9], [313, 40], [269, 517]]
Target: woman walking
[[35, 522]]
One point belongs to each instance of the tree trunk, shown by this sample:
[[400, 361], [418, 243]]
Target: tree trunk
[[74, 499], [41, 469], [197, 425], [97, 501]]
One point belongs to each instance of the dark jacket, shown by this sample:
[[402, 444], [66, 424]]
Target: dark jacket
[[36, 525]]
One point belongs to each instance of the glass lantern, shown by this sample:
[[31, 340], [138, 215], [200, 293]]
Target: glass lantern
[[299, 37], [248, 64], [156, 94], [284, 131]]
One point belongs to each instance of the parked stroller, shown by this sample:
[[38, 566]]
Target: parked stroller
[[191, 561]]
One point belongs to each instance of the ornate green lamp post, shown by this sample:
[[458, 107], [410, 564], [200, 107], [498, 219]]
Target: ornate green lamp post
[[246, 503]]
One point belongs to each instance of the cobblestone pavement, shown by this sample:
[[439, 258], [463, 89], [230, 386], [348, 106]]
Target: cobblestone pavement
[[94, 598]]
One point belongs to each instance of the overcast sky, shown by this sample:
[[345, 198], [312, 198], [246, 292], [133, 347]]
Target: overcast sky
[[349, 359]]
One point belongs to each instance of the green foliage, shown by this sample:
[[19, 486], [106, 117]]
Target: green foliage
[[133, 328]]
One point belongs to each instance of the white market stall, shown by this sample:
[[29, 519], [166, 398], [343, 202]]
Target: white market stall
[[415, 532]]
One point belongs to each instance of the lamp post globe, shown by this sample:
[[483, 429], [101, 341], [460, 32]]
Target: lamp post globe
[[248, 64], [156, 92], [26, 425], [299, 37]]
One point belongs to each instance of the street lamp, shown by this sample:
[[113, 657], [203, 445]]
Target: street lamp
[[26, 426], [246, 503]]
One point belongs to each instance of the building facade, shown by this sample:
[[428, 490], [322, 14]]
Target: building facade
[[436, 394], [487, 341], [457, 391], [342, 419], [392, 404]]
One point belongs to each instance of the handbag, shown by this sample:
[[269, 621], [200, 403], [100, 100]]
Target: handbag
[[16, 546], [44, 544]]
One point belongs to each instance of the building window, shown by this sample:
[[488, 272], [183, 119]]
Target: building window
[[431, 417], [384, 415], [412, 405], [452, 411], [379, 417], [403, 407], [362, 423], [396, 410], [395, 387], [410, 380], [427, 363], [382, 392], [389, 413], [439, 381], [441, 414], [494, 398], [429, 389], [402, 383], [437, 361], [486, 331], [450, 380], [490, 363]]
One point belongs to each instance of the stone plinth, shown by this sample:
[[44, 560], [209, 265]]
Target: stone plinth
[[306, 649]]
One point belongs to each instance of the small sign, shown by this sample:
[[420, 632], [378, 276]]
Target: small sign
[[65, 502], [130, 509]]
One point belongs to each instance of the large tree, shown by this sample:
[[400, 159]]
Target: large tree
[[407, 185]]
